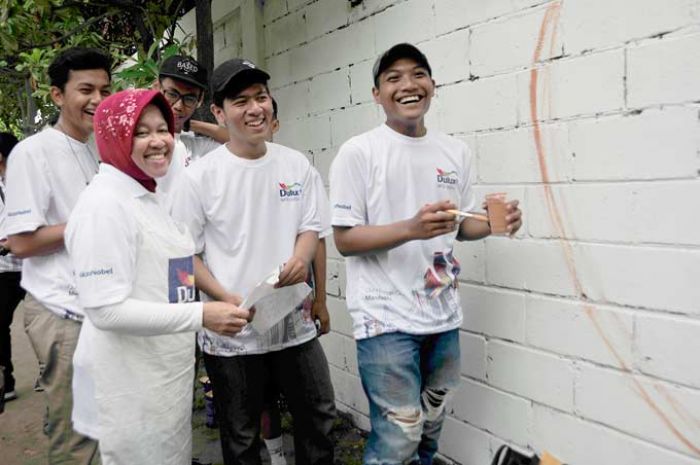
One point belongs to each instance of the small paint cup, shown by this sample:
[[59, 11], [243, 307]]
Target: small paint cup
[[497, 210]]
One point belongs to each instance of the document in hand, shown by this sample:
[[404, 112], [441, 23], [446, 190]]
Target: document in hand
[[271, 305]]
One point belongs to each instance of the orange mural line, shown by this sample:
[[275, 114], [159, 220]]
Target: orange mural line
[[689, 419], [550, 14], [550, 19], [621, 326]]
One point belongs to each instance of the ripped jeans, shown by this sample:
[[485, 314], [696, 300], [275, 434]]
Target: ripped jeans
[[408, 379]]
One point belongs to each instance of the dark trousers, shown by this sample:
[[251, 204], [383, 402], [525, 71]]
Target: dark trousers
[[11, 294], [239, 383]]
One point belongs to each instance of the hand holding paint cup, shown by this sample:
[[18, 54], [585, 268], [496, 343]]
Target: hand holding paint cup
[[497, 210]]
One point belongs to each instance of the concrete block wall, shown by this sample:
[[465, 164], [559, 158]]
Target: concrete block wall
[[580, 334]]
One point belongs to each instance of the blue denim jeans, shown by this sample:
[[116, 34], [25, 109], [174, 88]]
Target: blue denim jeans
[[408, 379]]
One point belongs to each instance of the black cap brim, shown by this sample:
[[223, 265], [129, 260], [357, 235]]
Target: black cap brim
[[180, 77]]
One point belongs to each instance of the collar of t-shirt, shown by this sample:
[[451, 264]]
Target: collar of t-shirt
[[126, 184], [404, 138], [248, 162]]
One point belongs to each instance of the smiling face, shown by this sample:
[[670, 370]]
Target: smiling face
[[404, 91], [152, 147], [184, 99], [84, 90], [248, 117]]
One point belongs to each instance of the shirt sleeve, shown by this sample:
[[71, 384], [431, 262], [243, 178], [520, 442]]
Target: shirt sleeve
[[202, 145], [311, 220], [468, 198], [186, 207], [324, 211], [28, 193], [348, 178], [142, 318], [102, 240]]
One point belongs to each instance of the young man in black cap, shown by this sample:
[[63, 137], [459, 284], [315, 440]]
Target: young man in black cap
[[183, 81], [390, 189], [251, 207]]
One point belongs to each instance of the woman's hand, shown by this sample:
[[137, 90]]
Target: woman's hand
[[224, 318]]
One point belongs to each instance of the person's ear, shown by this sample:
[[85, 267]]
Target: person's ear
[[218, 113], [375, 94], [156, 85], [56, 96]]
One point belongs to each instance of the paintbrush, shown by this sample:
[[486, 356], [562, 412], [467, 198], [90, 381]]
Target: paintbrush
[[476, 216]]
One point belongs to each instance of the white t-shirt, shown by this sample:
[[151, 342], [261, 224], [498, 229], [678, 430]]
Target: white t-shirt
[[188, 148], [245, 216], [46, 174], [381, 177]]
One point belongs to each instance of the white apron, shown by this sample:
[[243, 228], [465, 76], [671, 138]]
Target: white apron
[[143, 385]]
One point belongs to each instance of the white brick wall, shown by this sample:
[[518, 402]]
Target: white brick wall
[[543, 367], [662, 71]]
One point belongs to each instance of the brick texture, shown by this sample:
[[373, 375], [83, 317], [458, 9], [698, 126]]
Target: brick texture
[[580, 335]]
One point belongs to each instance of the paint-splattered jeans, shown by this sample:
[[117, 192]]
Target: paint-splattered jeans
[[407, 379]]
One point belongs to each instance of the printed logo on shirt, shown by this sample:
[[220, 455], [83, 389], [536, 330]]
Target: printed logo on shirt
[[342, 206], [96, 272], [72, 291], [442, 275], [290, 191], [19, 212], [180, 280], [446, 177]]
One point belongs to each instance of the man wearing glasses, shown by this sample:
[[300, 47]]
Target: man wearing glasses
[[183, 81]]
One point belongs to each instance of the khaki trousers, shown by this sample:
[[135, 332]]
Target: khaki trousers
[[53, 340]]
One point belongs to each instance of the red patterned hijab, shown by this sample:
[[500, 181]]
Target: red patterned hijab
[[115, 121]]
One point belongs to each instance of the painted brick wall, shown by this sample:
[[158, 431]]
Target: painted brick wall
[[582, 334]]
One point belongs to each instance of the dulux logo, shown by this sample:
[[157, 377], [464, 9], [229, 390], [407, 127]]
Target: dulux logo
[[445, 177], [181, 280], [290, 190]]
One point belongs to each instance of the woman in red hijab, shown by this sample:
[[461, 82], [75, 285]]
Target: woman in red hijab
[[133, 367]]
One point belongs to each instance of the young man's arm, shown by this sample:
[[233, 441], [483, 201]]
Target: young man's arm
[[43, 241], [297, 267], [207, 283], [28, 196], [472, 230], [430, 221], [214, 131], [319, 310]]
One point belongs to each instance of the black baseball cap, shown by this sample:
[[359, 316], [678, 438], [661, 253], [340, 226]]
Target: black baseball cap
[[235, 75], [184, 69], [396, 53]]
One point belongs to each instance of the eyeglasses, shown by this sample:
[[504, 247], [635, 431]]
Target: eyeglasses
[[188, 100]]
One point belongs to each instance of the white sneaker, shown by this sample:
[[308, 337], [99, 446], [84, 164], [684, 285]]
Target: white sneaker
[[10, 395]]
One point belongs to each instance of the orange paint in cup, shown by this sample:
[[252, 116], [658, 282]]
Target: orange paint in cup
[[496, 207]]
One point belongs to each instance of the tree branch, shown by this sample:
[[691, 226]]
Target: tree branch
[[73, 31]]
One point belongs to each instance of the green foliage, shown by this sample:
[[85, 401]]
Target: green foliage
[[33, 32], [142, 70]]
